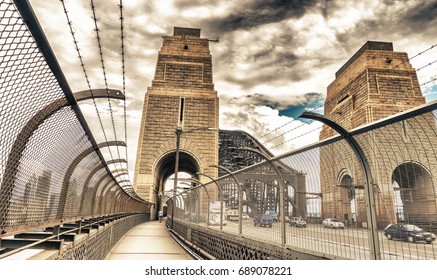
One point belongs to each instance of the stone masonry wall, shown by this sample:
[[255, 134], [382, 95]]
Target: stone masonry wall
[[377, 84], [181, 95]]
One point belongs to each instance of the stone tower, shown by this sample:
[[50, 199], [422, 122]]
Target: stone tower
[[182, 95], [375, 83]]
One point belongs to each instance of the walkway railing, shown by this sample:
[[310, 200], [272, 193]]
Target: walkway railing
[[326, 180], [52, 170]]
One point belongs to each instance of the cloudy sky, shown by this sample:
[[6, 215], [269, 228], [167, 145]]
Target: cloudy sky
[[274, 58]]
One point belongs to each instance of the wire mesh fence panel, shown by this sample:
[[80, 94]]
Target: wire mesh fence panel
[[404, 163], [326, 199], [47, 153], [331, 200]]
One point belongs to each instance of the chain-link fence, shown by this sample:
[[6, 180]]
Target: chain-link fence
[[330, 200], [51, 168]]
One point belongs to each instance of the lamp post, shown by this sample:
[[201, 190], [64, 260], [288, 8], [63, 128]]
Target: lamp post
[[179, 132]]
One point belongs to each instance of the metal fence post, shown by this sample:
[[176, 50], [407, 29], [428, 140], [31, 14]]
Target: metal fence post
[[368, 184]]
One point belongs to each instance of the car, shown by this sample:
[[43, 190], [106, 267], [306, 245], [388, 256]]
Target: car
[[332, 223], [408, 232], [245, 216], [263, 220], [273, 214], [297, 222]]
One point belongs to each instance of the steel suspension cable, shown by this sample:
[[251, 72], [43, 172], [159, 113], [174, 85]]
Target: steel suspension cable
[[426, 65], [430, 81], [123, 75], [422, 52], [416, 55], [82, 64], [76, 45], [292, 129], [277, 136], [275, 129], [294, 138], [123, 67], [94, 17], [420, 68]]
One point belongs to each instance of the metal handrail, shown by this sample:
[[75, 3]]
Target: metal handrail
[[29, 246]]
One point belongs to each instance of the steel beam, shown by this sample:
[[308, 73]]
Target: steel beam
[[18, 243], [99, 93]]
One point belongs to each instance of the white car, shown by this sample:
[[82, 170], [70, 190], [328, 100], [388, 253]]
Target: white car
[[297, 222], [332, 223]]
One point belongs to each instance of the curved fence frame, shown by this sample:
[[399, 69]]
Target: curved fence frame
[[398, 151], [52, 170]]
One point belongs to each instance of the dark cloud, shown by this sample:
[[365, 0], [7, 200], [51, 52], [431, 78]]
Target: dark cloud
[[260, 12], [256, 99], [286, 59], [263, 53], [272, 63], [422, 16], [270, 40], [272, 57]]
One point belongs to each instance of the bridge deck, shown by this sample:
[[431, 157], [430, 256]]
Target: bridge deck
[[148, 241]]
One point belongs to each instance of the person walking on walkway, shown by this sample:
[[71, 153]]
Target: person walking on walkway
[[160, 214]]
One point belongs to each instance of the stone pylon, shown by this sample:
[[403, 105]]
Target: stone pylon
[[182, 96], [375, 83]]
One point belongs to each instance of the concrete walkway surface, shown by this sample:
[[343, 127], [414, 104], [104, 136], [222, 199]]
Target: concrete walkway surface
[[148, 241]]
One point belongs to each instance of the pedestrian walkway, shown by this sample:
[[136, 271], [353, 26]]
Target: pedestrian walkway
[[148, 241]]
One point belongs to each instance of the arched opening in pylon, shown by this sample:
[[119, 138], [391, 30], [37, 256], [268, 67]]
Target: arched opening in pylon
[[347, 186], [414, 194], [165, 170]]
